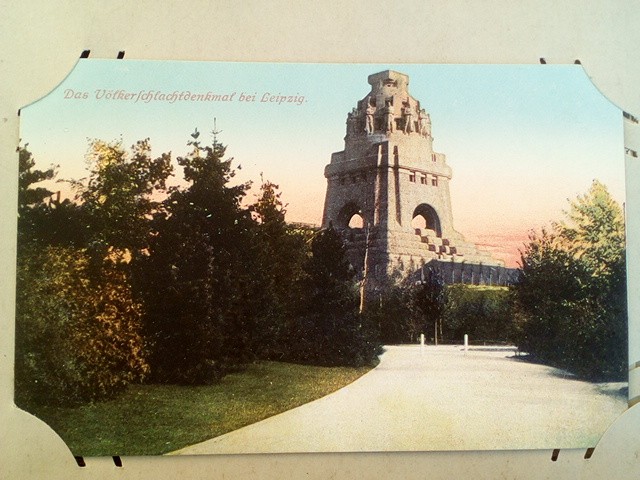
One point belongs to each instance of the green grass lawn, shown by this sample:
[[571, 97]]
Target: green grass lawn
[[155, 419]]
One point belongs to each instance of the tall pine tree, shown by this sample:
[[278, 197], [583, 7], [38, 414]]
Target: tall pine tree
[[280, 252], [198, 280]]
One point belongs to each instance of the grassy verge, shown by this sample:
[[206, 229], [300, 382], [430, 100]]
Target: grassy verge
[[155, 419]]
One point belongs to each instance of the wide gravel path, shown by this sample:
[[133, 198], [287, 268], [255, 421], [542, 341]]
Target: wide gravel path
[[440, 398]]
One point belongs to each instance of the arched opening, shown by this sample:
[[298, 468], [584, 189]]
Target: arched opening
[[425, 217], [350, 216], [419, 222], [356, 221]]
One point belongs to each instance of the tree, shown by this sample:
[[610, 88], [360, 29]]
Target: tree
[[392, 313], [280, 252], [571, 296], [198, 273], [120, 195], [552, 294], [42, 216], [329, 329], [30, 196], [594, 229], [428, 299]]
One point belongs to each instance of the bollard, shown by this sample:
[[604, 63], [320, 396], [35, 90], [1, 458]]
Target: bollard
[[421, 343], [466, 342]]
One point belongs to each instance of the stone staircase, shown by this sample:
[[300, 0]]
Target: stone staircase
[[457, 249]]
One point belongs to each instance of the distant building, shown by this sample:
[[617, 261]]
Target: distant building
[[389, 183]]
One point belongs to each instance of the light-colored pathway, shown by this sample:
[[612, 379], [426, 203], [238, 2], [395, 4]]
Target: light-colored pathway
[[439, 399]]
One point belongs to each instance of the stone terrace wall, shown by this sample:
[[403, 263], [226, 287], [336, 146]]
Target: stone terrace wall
[[471, 274]]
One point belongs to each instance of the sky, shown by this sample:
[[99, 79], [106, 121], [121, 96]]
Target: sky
[[521, 140]]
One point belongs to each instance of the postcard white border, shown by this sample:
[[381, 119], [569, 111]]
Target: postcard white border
[[42, 41]]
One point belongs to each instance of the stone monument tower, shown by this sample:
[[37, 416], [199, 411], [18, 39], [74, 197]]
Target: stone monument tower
[[388, 190]]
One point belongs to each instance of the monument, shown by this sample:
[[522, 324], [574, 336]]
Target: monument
[[388, 190]]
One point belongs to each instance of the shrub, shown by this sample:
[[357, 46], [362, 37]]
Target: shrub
[[484, 313], [77, 330]]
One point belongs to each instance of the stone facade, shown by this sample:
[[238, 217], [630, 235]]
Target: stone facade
[[390, 177]]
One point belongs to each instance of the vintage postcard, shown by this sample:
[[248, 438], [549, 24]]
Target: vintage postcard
[[270, 258]]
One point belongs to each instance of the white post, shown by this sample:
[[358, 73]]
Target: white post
[[421, 343], [466, 342]]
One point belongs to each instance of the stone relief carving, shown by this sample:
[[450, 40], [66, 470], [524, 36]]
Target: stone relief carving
[[367, 117]]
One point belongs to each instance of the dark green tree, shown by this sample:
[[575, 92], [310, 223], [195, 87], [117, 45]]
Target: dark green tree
[[279, 256], [571, 297], [34, 200], [198, 273], [428, 299], [330, 330], [390, 310], [31, 196]]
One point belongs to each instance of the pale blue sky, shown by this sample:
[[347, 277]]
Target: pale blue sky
[[520, 139]]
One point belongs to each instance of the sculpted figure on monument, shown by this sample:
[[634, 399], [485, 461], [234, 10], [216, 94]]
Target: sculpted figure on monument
[[389, 124], [369, 119], [407, 114], [423, 123], [352, 122]]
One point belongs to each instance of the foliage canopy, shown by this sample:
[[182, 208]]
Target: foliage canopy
[[570, 305]]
